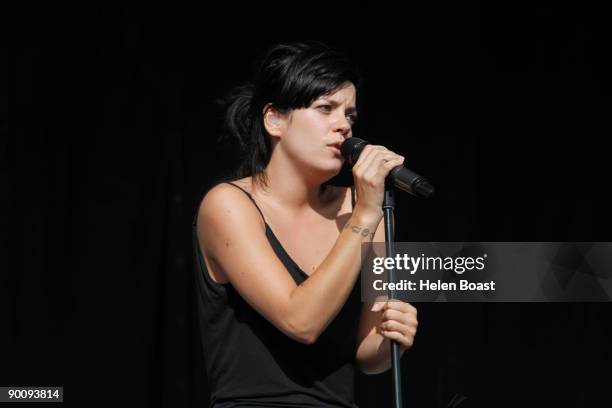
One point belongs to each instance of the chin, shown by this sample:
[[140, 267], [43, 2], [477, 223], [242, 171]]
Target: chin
[[324, 169], [332, 170], [333, 166]]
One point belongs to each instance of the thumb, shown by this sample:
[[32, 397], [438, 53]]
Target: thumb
[[378, 306]]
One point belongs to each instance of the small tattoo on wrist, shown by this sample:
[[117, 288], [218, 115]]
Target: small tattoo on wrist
[[364, 232]]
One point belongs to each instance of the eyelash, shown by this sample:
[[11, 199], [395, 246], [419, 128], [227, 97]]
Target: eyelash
[[352, 117]]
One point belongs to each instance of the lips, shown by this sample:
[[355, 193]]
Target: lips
[[336, 145], [336, 148]]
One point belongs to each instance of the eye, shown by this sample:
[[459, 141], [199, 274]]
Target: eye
[[352, 118], [324, 108]]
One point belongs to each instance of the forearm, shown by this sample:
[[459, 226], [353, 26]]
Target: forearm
[[317, 301], [374, 354]]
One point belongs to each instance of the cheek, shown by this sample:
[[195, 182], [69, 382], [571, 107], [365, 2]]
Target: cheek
[[307, 138], [311, 121], [309, 134]]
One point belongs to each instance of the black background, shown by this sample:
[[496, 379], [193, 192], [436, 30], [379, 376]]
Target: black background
[[113, 141]]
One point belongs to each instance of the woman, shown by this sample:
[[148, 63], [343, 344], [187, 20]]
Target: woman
[[278, 250]]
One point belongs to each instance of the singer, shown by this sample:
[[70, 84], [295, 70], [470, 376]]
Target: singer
[[278, 250]]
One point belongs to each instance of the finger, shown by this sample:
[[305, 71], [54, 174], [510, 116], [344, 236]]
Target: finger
[[389, 165], [403, 341], [378, 306], [379, 156], [367, 151], [393, 162], [372, 154], [392, 325], [381, 162], [405, 318], [401, 306]]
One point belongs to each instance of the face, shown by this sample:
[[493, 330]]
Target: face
[[312, 135]]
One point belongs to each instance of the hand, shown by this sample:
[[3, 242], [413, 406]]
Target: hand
[[369, 173], [398, 322]]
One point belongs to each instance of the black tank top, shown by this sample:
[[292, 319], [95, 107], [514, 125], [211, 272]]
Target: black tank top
[[250, 363]]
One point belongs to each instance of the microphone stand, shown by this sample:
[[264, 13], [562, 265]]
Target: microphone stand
[[388, 206]]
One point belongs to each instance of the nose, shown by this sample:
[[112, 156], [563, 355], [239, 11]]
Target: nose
[[343, 126]]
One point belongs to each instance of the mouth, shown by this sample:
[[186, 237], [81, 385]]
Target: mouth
[[336, 148]]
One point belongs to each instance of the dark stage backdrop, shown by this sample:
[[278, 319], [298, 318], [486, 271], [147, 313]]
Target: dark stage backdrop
[[113, 142]]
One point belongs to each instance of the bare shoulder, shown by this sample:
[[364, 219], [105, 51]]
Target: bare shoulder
[[223, 194], [225, 203]]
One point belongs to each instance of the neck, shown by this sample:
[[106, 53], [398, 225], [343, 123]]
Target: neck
[[292, 187]]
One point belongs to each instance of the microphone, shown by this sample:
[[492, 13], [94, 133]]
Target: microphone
[[400, 176]]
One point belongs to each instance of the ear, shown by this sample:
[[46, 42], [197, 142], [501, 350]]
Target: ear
[[273, 120]]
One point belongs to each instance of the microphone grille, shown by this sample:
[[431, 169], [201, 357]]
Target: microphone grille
[[351, 149]]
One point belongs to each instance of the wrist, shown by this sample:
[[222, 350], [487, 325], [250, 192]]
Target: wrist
[[363, 224], [366, 217]]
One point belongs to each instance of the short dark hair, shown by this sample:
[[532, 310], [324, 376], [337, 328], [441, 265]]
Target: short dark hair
[[290, 76]]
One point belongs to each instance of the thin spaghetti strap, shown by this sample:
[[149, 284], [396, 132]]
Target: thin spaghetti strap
[[352, 197], [251, 198]]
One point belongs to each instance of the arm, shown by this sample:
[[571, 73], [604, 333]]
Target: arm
[[232, 238], [380, 323]]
